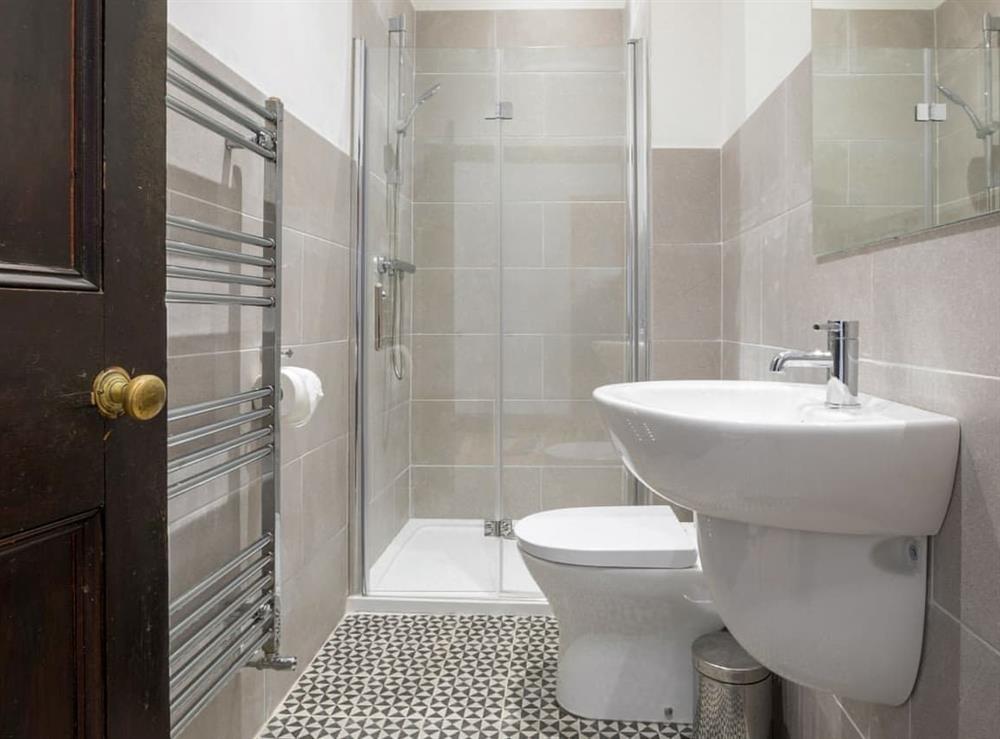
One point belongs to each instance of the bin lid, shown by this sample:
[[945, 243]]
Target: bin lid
[[720, 657]]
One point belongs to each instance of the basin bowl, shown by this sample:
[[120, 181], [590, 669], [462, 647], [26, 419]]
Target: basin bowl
[[812, 521], [773, 454]]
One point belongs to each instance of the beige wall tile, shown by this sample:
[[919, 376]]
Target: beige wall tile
[[686, 283], [575, 365], [763, 164], [559, 28], [570, 487], [886, 173], [199, 165], [460, 107], [324, 495], [685, 196], [798, 291], [292, 519], [317, 184], [584, 235], [455, 29], [325, 287], [961, 171], [829, 37], [455, 60], [389, 437], [564, 301], [584, 104], [527, 93], [523, 234], [313, 605], [455, 234], [959, 22], [867, 107], [555, 433], [238, 711], [454, 492], [830, 172], [686, 360], [730, 178], [452, 432], [958, 689], [522, 491], [741, 285], [921, 287], [887, 41], [799, 135], [291, 286], [455, 301], [563, 59], [462, 171], [454, 366], [522, 366], [563, 170], [966, 552], [204, 541]]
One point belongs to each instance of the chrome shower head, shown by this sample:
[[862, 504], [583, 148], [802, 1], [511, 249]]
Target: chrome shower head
[[981, 130], [404, 123]]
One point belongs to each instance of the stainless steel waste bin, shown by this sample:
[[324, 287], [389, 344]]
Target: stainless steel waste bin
[[732, 690]]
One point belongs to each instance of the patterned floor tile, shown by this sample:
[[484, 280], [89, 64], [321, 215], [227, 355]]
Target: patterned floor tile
[[382, 676]]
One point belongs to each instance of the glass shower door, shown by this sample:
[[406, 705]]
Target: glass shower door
[[563, 281], [432, 451], [510, 205]]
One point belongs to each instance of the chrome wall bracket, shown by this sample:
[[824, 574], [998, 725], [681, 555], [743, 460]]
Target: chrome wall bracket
[[504, 111]]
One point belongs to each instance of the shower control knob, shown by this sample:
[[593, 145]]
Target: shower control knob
[[116, 393]]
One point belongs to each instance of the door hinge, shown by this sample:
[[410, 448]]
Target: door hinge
[[930, 112], [503, 528]]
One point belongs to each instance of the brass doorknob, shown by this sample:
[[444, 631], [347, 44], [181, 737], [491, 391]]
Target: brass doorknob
[[116, 393]]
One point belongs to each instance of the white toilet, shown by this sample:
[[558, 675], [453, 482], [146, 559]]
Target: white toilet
[[627, 589]]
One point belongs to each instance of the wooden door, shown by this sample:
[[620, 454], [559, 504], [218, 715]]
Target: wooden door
[[83, 573]]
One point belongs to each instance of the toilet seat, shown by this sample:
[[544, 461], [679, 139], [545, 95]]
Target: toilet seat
[[609, 536]]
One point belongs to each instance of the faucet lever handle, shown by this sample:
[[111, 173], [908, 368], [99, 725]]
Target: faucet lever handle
[[838, 329]]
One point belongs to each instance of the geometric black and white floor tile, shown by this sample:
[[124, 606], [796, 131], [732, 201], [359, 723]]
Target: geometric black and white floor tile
[[440, 677]]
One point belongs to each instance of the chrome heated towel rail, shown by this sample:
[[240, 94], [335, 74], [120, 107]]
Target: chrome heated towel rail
[[232, 618]]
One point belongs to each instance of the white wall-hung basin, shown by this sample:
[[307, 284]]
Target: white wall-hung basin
[[812, 521]]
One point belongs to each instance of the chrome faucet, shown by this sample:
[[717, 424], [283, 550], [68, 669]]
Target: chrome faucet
[[840, 360]]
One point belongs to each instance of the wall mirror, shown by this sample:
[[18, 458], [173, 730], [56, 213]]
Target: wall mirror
[[906, 119]]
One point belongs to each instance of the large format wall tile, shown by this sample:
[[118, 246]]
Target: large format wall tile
[[449, 432], [686, 284], [958, 689], [585, 28], [685, 196]]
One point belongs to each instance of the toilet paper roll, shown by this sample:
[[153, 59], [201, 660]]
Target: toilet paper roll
[[301, 392]]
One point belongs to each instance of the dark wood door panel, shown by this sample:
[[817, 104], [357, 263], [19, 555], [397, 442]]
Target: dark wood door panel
[[50, 194], [50, 644], [51, 450]]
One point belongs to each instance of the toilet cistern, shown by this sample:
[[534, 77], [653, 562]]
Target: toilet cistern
[[840, 360]]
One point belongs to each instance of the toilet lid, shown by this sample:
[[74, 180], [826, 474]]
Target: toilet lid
[[612, 536]]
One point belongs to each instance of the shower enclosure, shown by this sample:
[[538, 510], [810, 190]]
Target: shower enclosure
[[501, 255]]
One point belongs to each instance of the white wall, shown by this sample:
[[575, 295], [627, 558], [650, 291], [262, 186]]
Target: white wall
[[713, 62], [762, 41], [685, 68], [298, 50]]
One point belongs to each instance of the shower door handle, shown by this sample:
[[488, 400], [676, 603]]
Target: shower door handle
[[380, 295]]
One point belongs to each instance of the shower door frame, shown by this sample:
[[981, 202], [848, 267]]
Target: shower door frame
[[637, 266]]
